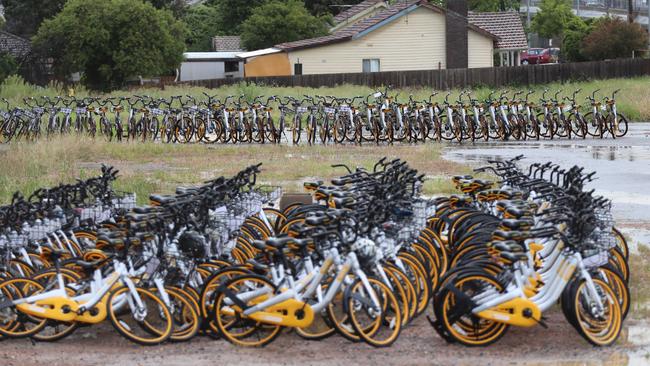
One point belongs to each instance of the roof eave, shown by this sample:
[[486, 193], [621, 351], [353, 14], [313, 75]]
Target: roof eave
[[324, 43]]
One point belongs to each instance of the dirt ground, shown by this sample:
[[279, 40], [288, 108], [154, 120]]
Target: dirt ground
[[418, 345]]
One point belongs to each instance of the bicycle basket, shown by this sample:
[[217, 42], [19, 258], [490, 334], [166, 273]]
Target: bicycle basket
[[270, 193]]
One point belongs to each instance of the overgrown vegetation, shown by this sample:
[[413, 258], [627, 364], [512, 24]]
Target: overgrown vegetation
[[640, 282], [159, 168]]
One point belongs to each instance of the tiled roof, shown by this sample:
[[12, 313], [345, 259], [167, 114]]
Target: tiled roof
[[14, 45], [505, 25], [354, 10], [348, 32], [226, 43]]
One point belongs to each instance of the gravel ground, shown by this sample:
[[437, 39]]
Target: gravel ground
[[418, 345]]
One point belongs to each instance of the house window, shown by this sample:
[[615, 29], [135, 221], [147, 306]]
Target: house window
[[371, 65], [231, 66], [297, 69]]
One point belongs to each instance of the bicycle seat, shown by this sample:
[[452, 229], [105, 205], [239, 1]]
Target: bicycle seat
[[316, 220], [279, 243], [341, 182], [509, 235], [259, 244], [141, 217], [89, 266], [513, 257], [506, 246], [162, 199], [517, 212], [257, 266], [313, 185], [458, 178], [108, 234], [514, 224], [343, 202], [186, 190], [146, 210]]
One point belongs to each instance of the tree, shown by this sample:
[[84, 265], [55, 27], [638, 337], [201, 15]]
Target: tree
[[235, 12], [574, 34], [203, 22], [8, 66], [493, 5], [177, 6], [613, 38], [117, 40], [23, 17], [552, 18], [280, 21], [333, 7]]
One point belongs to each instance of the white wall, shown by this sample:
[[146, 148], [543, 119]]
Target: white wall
[[413, 42], [205, 70], [480, 50]]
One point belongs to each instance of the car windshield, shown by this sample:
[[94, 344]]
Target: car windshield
[[534, 52]]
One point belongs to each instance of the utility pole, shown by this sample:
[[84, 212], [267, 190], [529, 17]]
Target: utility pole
[[578, 8], [630, 11], [528, 13]]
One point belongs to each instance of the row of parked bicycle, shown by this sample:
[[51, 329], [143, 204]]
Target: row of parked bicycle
[[376, 118], [363, 260]]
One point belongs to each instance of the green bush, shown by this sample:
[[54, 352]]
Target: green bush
[[613, 38], [8, 66]]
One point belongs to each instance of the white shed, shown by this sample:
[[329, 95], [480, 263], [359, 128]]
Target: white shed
[[210, 65]]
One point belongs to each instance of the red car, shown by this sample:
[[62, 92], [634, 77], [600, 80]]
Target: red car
[[539, 56]]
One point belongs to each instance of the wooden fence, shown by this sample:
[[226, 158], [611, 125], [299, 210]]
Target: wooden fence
[[494, 77]]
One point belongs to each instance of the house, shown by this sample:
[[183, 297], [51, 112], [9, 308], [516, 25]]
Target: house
[[510, 30], [411, 35], [210, 65], [17, 47]]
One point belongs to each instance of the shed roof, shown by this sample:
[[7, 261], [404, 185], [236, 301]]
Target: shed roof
[[203, 56], [256, 53]]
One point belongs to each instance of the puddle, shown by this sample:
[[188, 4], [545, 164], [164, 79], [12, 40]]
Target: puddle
[[636, 236], [622, 165]]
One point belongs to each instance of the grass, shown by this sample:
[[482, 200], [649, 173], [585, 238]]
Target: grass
[[640, 282], [633, 100], [147, 168]]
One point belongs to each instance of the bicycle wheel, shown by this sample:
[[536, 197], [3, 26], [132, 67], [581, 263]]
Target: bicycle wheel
[[321, 327], [185, 314], [621, 243], [232, 324], [213, 131], [148, 323], [184, 130], [458, 323], [296, 130], [614, 278], [619, 128], [374, 312], [14, 323], [153, 127], [106, 128], [600, 328]]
